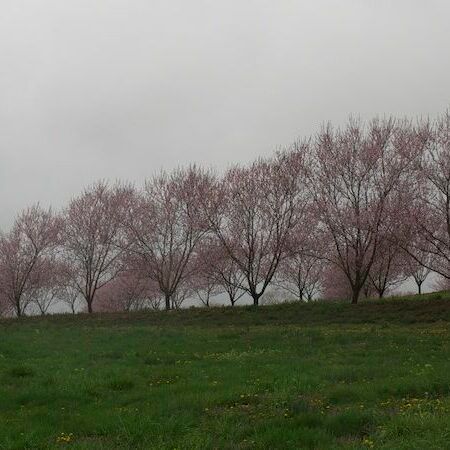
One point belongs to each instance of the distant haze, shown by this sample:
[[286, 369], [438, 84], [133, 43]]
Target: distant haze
[[112, 89]]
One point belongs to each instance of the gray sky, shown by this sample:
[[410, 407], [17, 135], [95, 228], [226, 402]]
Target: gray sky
[[95, 89]]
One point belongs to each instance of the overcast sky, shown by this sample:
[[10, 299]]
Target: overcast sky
[[95, 89]]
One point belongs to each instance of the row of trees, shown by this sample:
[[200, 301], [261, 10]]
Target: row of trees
[[350, 212]]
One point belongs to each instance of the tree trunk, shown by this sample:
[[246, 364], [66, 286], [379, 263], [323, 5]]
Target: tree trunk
[[355, 295], [419, 288], [167, 299], [256, 299], [18, 308], [89, 304]]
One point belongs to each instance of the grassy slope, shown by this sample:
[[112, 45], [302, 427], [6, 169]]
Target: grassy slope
[[289, 376]]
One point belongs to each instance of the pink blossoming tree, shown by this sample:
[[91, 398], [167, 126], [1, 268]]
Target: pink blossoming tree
[[355, 174], [23, 251], [252, 211], [93, 239], [164, 226]]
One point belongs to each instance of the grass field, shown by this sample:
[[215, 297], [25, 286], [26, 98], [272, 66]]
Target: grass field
[[375, 375]]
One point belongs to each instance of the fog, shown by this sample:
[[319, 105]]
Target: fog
[[120, 89]]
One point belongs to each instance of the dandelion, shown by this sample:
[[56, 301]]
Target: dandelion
[[64, 438], [368, 442]]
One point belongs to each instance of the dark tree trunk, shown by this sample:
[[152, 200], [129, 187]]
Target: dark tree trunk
[[18, 308], [355, 295], [419, 288], [167, 299], [256, 299]]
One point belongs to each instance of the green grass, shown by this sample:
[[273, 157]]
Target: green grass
[[324, 376]]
